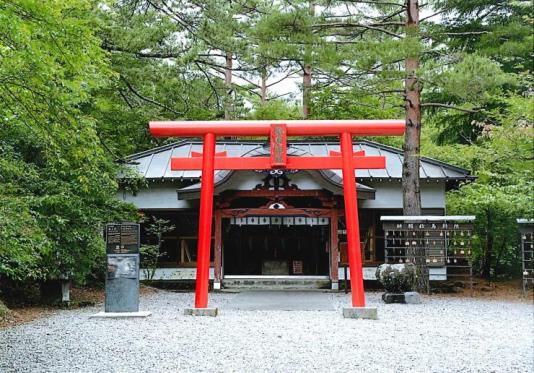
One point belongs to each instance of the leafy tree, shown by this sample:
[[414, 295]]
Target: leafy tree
[[24, 243], [500, 30], [174, 60], [501, 158], [497, 208], [276, 109], [57, 181]]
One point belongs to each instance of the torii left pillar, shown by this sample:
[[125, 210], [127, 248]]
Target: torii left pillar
[[346, 160], [205, 220]]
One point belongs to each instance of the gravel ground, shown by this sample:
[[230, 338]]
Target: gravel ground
[[440, 335]]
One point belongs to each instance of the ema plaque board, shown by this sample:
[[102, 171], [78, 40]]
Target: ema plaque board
[[122, 238]]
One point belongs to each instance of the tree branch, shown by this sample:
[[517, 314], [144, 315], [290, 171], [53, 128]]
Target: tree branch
[[376, 3], [436, 104], [148, 99], [113, 48], [214, 90], [464, 33], [357, 25]]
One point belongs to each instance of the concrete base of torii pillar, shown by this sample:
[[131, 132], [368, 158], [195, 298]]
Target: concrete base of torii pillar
[[360, 313], [213, 312]]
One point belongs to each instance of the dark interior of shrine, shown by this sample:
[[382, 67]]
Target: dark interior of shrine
[[275, 250]]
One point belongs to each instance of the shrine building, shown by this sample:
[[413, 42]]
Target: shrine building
[[275, 224]]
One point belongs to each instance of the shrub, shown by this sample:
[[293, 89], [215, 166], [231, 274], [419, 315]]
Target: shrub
[[397, 278]]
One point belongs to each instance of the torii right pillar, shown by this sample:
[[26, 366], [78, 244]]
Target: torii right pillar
[[358, 309]]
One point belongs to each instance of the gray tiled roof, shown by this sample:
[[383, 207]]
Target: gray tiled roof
[[155, 163]]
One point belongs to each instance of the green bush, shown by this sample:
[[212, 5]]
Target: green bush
[[397, 278]]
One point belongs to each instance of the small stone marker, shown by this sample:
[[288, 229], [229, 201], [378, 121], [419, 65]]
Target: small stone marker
[[409, 297], [393, 298], [65, 292], [360, 313], [412, 297]]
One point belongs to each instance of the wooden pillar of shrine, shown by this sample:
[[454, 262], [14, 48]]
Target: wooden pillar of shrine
[[334, 250], [217, 252]]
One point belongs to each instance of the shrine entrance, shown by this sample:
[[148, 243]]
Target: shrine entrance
[[276, 249], [288, 233]]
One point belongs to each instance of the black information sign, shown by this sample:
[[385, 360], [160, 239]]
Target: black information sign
[[122, 238]]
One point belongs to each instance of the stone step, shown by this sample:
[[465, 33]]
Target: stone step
[[275, 284]]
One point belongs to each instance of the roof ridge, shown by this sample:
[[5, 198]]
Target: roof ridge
[[155, 150], [427, 159], [325, 142]]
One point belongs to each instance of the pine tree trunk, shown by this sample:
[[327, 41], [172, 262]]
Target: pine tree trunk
[[263, 87], [228, 85], [306, 92], [307, 71], [488, 250], [411, 193], [410, 170]]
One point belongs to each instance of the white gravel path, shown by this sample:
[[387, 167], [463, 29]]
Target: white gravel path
[[440, 335]]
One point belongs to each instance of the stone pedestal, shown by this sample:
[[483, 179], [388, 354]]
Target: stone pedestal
[[201, 312], [122, 283], [360, 313], [393, 298], [410, 297], [117, 315]]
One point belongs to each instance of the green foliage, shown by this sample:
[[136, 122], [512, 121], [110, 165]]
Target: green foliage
[[149, 260], [80, 79], [5, 313], [397, 278], [57, 182], [332, 104], [150, 254], [476, 87], [24, 243], [276, 109], [501, 158], [473, 79], [496, 207], [500, 30]]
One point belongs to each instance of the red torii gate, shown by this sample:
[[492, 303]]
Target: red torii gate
[[346, 160]]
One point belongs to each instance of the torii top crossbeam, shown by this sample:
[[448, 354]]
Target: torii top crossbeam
[[263, 127], [278, 130]]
